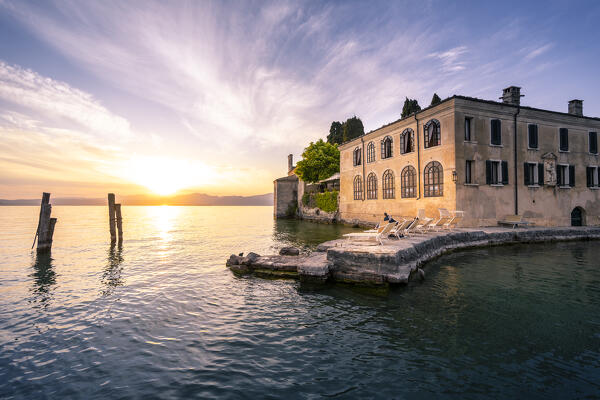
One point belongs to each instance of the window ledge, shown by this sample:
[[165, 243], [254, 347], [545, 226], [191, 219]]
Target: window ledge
[[563, 151], [496, 145], [496, 184], [471, 184], [593, 154], [533, 186], [594, 187], [533, 148], [471, 141], [564, 187]]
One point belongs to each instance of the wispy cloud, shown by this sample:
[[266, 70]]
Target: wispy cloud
[[58, 100], [538, 51], [452, 60]]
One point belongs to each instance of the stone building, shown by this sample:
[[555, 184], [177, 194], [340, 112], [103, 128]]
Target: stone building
[[490, 159]]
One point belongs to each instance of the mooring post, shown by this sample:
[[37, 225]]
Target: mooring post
[[119, 222], [111, 217], [45, 225], [45, 200]]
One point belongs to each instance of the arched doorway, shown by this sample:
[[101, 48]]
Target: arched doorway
[[578, 217]]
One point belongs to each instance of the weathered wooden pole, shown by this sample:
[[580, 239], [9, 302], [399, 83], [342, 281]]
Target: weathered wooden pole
[[45, 200], [119, 222], [111, 217], [45, 225]]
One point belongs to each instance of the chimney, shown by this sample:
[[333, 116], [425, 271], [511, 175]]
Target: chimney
[[512, 95], [576, 107], [290, 162]]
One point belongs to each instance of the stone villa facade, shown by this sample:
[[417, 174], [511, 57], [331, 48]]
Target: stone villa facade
[[490, 159]]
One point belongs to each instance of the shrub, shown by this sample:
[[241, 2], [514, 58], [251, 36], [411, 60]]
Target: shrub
[[306, 198], [327, 201]]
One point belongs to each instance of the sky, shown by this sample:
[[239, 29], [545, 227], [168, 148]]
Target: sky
[[138, 97]]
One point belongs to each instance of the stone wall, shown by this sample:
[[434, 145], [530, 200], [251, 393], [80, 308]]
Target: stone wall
[[285, 192]]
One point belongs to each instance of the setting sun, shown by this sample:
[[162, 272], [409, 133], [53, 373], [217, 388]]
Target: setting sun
[[165, 176]]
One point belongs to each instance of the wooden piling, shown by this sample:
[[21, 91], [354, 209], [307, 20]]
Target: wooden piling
[[46, 225], [119, 222], [111, 217], [45, 200]]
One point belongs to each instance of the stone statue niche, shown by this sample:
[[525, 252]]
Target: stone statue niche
[[549, 160]]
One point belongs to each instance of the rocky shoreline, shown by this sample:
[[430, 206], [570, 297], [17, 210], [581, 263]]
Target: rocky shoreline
[[395, 262]]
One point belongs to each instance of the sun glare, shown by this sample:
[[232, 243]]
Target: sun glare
[[165, 176]]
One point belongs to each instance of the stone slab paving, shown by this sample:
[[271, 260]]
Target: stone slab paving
[[397, 260]]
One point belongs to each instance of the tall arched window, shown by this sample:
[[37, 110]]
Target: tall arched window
[[358, 188], [409, 182], [388, 187], [433, 179], [386, 147], [407, 141], [432, 133], [356, 156], [371, 186], [370, 152]]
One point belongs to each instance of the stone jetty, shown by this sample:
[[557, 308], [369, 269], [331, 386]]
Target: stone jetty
[[396, 261]]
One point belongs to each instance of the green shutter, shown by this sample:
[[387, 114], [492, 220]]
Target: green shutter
[[540, 174], [488, 172], [504, 172], [571, 175], [558, 175], [526, 174], [589, 175]]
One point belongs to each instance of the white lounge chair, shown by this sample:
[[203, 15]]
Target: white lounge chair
[[379, 236], [458, 216], [445, 217], [410, 229], [423, 225], [401, 227]]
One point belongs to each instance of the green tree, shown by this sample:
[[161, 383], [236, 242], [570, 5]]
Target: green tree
[[435, 100], [410, 107], [352, 128], [320, 160], [336, 135]]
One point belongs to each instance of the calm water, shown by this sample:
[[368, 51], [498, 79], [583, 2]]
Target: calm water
[[163, 317]]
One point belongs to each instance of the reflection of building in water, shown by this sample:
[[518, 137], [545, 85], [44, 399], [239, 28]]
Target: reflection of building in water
[[111, 277], [44, 277]]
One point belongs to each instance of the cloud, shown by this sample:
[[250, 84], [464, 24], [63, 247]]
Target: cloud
[[56, 99], [533, 53], [451, 59]]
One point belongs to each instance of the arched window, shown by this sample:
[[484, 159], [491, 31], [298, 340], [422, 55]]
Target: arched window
[[388, 187], [357, 159], [386, 147], [371, 186], [358, 188], [409, 182], [407, 141], [432, 133], [370, 152], [433, 185]]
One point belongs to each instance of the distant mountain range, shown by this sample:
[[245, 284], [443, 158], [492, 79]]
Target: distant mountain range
[[194, 199]]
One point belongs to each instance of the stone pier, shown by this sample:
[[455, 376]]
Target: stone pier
[[397, 260]]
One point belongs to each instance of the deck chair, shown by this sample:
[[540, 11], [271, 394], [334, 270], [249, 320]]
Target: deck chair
[[378, 236], [378, 228], [458, 216], [410, 229], [423, 225], [398, 231], [438, 224], [514, 221]]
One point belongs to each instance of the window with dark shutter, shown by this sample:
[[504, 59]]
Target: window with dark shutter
[[563, 139], [488, 172], [504, 172], [469, 171], [571, 175], [496, 132], [589, 176], [540, 174], [559, 175], [593, 142], [526, 175], [533, 136]]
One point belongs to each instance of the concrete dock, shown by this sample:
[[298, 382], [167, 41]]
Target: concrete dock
[[396, 261]]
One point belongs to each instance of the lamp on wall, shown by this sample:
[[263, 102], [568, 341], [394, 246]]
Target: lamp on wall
[[454, 176]]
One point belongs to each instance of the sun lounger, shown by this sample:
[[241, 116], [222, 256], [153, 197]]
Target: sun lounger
[[410, 229], [379, 236], [438, 224], [514, 221], [456, 218], [423, 224], [398, 231]]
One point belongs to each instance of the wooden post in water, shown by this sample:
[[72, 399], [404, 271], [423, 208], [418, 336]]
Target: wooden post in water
[[45, 200], [119, 222], [46, 225], [111, 217]]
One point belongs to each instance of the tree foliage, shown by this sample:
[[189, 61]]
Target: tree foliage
[[411, 106], [319, 161], [352, 128], [336, 134], [435, 100]]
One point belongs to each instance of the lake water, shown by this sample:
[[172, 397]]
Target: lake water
[[162, 317]]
